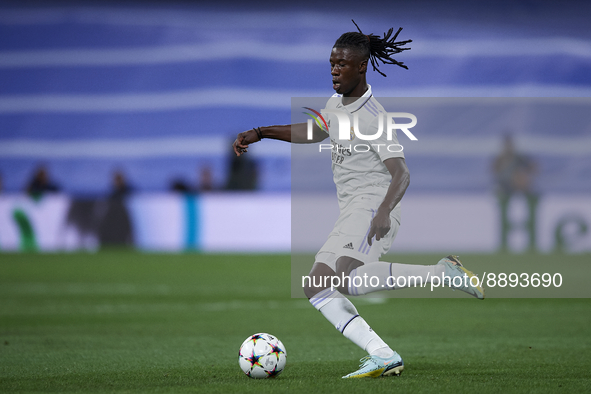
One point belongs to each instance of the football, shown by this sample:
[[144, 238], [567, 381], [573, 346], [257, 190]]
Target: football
[[262, 356]]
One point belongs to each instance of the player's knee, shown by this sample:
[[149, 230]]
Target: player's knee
[[318, 279], [346, 264], [310, 290]]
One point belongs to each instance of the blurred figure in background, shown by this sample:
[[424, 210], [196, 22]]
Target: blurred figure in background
[[513, 172], [180, 186], [206, 180], [41, 183], [115, 226], [243, 173], [121, 187], [102, 222]]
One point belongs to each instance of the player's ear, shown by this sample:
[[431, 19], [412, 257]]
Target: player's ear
[[363, 66]]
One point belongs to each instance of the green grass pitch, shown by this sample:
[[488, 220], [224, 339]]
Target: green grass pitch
[[127, 322]]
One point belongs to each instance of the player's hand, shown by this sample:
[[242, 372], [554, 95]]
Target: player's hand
[[380, 225], [244, 139]]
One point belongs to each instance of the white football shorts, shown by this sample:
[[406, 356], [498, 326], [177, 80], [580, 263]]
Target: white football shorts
[[349, 235]]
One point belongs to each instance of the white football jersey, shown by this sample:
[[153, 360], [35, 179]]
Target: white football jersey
[[358, 165]]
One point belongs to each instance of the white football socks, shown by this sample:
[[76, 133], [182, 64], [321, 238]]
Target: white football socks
[[335, 307], [366, 279], [338, 310], [380, 276], [361, 334]]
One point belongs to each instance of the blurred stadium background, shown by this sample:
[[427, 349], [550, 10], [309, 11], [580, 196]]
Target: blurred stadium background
[[116, 120], [127, 112]]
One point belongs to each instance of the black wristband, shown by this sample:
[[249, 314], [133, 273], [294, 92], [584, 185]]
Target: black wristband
[[258, 131]]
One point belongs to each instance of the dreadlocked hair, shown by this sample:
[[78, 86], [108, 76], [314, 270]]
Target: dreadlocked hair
[[374, 47]]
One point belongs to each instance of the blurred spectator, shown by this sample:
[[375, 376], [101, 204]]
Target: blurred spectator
[[180, 186], [513, 170], [41, 183], [514, 173], [243, 173], [121, 187], [206, 183], [114, 221]]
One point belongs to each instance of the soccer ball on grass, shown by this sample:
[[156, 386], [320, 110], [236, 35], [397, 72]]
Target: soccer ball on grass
[[262, 356]]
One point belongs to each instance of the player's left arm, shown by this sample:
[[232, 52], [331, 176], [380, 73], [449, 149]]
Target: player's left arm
[[380, 225], [296, 133]]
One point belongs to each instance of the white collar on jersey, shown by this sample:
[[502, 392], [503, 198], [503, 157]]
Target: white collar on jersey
[[360, 102]]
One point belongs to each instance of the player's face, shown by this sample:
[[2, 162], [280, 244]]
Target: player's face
[[348, 69]]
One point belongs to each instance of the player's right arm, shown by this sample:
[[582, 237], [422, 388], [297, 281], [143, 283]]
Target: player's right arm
[[295, 133]]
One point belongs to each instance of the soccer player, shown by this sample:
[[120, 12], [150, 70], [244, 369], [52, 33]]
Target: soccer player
[[370, 185]]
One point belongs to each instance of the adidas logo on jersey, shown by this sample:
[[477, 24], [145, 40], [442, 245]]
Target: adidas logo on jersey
[[348, 246]]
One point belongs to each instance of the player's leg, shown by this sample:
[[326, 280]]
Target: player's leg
[[345, 250], [381, 275], [337, 309], [381, 359], [378, 276]]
